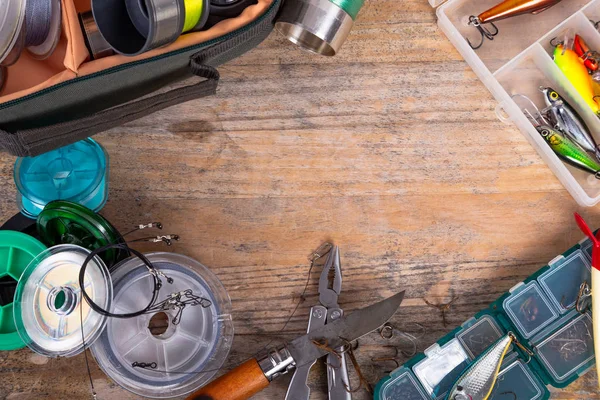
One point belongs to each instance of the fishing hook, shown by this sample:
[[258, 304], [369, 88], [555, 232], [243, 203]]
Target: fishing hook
[[444, 308], [581, 304], [507, 393], [536, 118], [485, 32], [522, 347]]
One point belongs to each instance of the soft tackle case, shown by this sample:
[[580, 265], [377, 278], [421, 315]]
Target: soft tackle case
[[68, 97], [540, 312]]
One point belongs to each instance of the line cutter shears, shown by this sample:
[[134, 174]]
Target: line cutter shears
[[330, 286]]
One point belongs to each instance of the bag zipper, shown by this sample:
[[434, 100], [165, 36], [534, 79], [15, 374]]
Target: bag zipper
[[141, 62]]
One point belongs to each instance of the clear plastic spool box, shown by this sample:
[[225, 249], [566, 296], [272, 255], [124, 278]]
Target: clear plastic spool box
[[77, 173], [519, 61], [441, 368], [562, 282], [478, 335], [568, 351], [529, 309]]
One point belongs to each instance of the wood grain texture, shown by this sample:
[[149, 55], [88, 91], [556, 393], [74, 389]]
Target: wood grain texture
[[238, 384], [391, 149]]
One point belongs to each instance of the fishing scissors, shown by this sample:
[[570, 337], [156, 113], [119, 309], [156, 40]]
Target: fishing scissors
[[330, 286]]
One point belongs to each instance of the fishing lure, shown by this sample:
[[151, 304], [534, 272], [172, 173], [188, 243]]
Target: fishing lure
[[571, 66], [583, 51], [568, 151], [503, 10], [566, 119], [478, 381]]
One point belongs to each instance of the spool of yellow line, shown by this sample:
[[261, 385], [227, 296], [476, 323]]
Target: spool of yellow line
[[193, 13]]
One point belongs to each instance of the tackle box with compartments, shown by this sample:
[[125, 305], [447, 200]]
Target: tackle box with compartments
[[519, 61], [540, 311]]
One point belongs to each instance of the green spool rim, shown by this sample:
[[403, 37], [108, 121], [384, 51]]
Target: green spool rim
[[31, 246], [352, 7], [96, 225]]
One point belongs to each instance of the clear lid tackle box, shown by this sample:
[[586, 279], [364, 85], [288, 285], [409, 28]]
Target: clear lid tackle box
[[540, 311], [519, 60]]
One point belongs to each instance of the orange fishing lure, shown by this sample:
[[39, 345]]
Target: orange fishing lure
[[506, 9]]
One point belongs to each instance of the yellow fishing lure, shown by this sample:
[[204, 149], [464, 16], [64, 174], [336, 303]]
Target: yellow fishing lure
[[572, 67]]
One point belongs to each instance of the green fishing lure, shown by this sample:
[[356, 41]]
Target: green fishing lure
[[570, 152]]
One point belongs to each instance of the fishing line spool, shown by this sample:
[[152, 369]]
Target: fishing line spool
[[95, 43], [17, 250], [77, 173], [224, 9], [133, 27], [319, 26], [63, 222], [31, 24], [194, 340], [48, 312]]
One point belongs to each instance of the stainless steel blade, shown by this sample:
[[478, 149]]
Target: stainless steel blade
[[350, 327], [298, 389]]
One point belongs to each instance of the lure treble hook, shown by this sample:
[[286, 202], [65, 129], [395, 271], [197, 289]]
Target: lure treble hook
[[485, 32]]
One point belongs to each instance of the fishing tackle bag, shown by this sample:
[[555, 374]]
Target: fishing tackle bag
[[66, 98]]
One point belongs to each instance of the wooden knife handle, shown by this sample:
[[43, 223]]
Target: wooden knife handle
[[240, 383]]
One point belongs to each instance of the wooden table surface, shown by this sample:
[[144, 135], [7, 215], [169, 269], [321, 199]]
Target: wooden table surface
[[391, 150]]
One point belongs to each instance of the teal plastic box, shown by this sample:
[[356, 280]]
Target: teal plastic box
[[540, 312]]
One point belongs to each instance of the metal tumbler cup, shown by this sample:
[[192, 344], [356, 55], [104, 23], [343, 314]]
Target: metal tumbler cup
[[320, 26]]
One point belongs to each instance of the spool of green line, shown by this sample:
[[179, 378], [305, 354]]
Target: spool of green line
[[320, 26], [17, 250], [63, 222]]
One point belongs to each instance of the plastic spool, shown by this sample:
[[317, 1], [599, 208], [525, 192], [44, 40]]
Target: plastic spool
[[16, 252], [13, 28], [3, 75], [63, 222], [77, 173], [95, 43], [44, 50], [224, 9], [167, 19], [200, 342], [195, 11], [48, 302], [12, 19]]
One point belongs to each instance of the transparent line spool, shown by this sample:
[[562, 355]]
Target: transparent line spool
[[187, 354], [49, 310], [78, 173]]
